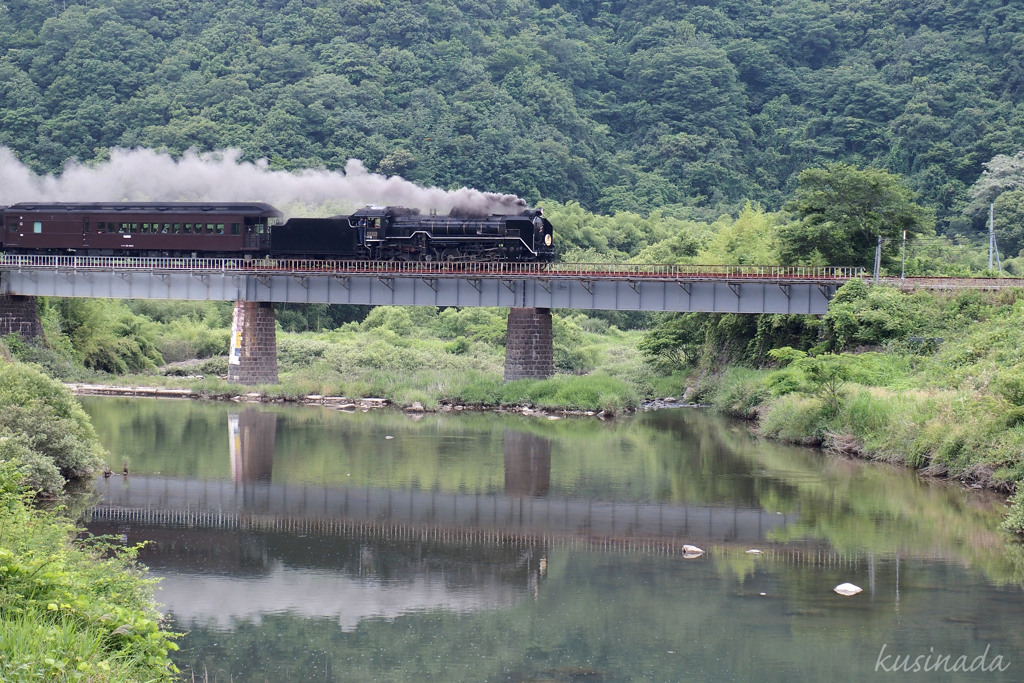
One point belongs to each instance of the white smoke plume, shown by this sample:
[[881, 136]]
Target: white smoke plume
[[147, 175]]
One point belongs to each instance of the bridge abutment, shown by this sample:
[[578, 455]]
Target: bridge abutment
[[253, 353], [20, 314], [529, 349]]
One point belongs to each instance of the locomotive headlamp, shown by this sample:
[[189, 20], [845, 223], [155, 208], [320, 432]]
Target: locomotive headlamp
[[547, 240]]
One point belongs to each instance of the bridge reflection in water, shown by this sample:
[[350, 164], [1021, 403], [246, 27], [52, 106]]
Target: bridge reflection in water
[[524, 512], [239, 550]]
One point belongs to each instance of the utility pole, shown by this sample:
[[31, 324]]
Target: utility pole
[[903, 257], [991, 233], [993, 248], [878, 258]]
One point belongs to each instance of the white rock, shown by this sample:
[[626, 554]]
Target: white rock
[[754, 551], [847, 589], [389, 437], [692, 549]]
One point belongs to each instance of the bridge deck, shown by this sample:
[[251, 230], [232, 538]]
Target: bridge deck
[[635, 287]]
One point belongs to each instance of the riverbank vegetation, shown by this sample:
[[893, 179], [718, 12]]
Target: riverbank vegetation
[[70, 609], [925, 380]]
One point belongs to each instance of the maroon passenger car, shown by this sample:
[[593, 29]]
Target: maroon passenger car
[[139, 228]]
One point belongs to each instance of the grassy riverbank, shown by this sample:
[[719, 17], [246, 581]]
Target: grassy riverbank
[[69, 609], [402, 354], [935, 384]]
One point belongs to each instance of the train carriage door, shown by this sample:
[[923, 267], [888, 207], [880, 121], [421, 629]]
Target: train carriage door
[[85, 231]]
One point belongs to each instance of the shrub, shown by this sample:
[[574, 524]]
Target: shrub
[[457, 346], [39, 473], [185, 339], [739, 392], [798, 419], [1014, 520], [51, 422], [72, 610]]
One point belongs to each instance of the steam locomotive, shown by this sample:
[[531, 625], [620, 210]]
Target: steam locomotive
[[256, 230]]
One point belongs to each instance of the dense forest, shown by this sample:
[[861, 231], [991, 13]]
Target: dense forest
[[689, 107]]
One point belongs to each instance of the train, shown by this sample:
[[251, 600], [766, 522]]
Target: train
[[257, 230]]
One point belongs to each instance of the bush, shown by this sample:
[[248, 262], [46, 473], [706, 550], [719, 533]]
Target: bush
[[1014, 520], [38, 472], [51, 423], [457, 346], [185, 339], [797, 419], [740, 392], [72, 610]]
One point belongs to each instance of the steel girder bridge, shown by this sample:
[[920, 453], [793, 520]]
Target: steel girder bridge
[[617, 287]]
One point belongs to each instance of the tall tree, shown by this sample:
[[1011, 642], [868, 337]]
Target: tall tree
[[841, 212], [1002, 173]]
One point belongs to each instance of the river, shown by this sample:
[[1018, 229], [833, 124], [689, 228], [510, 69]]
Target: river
[[300, 543]]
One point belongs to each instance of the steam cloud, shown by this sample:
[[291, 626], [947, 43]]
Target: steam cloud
[[147, 175]]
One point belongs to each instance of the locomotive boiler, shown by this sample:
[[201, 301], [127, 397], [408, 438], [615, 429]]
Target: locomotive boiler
[[256, 230]]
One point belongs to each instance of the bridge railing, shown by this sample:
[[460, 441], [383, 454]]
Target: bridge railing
[[424, 268]]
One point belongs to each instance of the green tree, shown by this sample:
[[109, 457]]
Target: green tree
[[841, 211]]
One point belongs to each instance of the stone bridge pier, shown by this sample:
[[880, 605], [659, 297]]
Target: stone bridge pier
[[252, 357], [20, 314], [529, 351]]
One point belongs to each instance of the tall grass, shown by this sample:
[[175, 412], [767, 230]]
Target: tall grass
[[69, 611]]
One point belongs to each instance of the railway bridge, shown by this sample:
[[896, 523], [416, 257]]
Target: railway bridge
[[529, 290]]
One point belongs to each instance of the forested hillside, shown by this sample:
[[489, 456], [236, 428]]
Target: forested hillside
[[691, 106]]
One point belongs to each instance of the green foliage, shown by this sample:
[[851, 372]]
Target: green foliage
[[37, 470], [45, 429], [841, 212], [105, 335], [786, 355], [674, 343], [72, 610], [1010, 384], [868, 315], [457, 346], [747, 240], [570, 353], [826, 374], [738, 392]]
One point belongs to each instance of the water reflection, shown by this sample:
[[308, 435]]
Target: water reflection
[[527, 463], [523, 512], [251, 445], [219, 579], [309, 546]]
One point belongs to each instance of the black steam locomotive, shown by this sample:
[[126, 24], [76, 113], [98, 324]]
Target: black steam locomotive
[[256, 230]]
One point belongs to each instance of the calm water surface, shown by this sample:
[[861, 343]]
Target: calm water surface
[[307, 544]]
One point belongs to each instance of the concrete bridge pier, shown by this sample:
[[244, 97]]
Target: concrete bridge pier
[[20, 314], [253, 354], [529, 350]]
